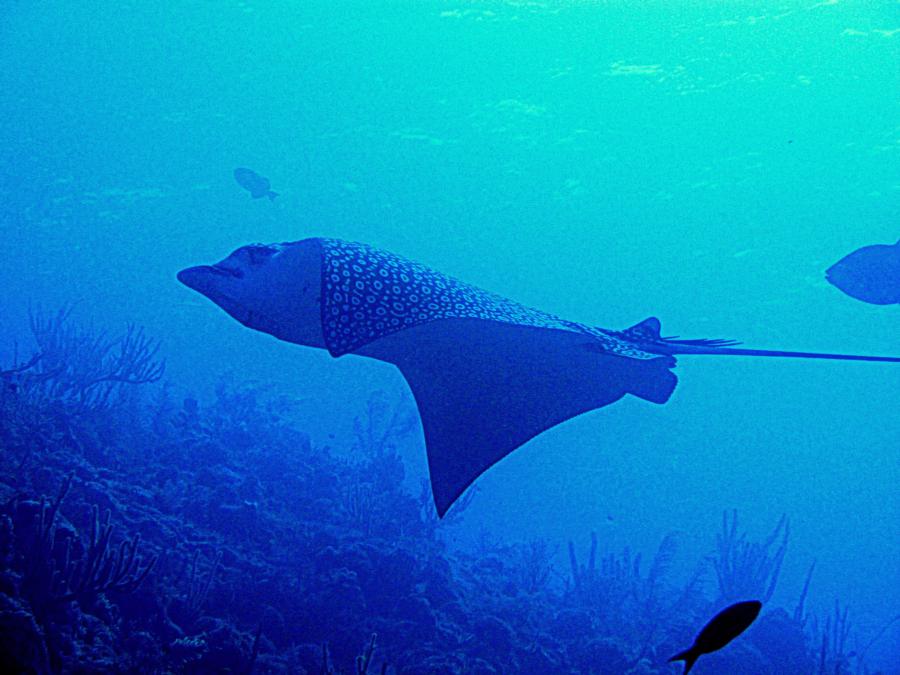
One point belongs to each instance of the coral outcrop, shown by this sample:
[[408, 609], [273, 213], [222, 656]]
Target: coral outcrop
[[143, 533]]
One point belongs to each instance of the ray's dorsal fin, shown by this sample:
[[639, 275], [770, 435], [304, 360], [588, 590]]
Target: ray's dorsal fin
[[647, 332], [648, 329]]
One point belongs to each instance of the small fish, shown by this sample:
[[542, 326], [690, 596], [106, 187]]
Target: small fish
[[258, 186], [870, 274], [724, 627]]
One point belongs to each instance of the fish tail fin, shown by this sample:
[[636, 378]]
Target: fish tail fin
[[271, 194], [689, 656]]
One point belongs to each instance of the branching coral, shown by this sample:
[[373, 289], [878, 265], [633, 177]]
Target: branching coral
[[534, 565], [7, 376], [747, 569], [372, 497], [615, 593], [833, 657], [799, 612], [584, 576], [362, 663], [41, 573], [84, 368], [56, 574], [382, 425], [190, 608], [104, 569], [617, 576], [44, 566]]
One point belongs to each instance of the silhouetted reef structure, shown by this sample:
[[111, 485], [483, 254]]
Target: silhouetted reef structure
[[143, 534]]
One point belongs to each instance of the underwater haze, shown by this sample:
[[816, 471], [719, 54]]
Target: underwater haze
[[606, 162]]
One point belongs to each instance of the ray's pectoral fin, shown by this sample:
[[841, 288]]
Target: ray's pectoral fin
[[484, 388]]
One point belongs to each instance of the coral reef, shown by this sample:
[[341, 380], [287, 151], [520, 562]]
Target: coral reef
[[251, 549]]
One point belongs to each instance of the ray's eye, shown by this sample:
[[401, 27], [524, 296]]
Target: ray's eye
[[256, 254]]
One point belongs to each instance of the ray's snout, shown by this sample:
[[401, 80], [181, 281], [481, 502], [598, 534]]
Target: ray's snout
[[199, 278]]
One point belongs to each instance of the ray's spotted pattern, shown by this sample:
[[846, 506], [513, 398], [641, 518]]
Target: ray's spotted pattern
[[369, 293]]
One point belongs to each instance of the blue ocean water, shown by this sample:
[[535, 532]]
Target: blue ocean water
[[603, 161]]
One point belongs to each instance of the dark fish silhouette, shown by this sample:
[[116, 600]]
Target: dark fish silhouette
[[487, 373], [870, 274], [724, 627], [258, 186]]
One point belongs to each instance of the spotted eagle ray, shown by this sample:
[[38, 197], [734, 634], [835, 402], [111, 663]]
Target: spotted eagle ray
[[487, 373]]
